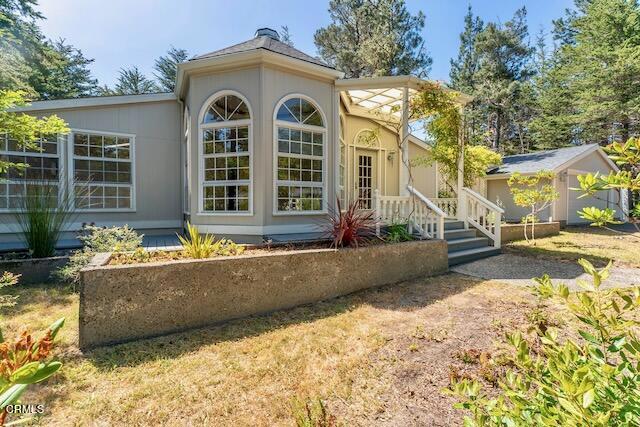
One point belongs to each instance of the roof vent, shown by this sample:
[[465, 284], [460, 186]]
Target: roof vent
[[267, 32]]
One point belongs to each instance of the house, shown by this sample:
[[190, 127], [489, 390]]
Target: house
[[567, 164], [257, 142]]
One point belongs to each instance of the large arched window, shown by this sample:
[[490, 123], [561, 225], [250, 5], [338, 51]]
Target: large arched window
[[300, 161], [225, 154]]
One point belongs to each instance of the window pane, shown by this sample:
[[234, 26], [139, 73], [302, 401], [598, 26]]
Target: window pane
[[110, 180]]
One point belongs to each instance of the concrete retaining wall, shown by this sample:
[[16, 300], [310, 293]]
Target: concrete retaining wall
[[127, 302], [513, 232], [36, 270]]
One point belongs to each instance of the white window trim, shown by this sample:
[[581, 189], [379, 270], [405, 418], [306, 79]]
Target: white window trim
[[325, 150], [71, 171], [215, 125], [61, 170]]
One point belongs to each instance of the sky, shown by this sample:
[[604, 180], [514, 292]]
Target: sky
[[123, 33]]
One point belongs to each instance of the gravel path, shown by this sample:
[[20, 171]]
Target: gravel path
[[519, 271]]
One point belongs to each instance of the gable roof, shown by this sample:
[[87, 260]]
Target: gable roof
[[541, 160], [267, 43]]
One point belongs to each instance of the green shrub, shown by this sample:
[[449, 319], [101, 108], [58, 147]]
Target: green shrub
[[42, 215], [24, 361], [398, 232], [96, 240], [592, 381]]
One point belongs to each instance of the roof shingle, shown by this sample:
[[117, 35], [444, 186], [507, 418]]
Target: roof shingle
[[267, 43], [540, 160]]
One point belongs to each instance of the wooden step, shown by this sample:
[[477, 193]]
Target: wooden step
[[453, 225], [456, 245], [468, 255], [459, 234]]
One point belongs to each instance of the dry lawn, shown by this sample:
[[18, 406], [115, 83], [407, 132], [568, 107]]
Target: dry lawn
[[597, 245], [379, 357]]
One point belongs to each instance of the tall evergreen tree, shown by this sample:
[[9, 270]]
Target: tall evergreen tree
[[29, 62], [373, 38], [465, 66], [132, 81], [166, 68], [463, 73], [504, 70], [598, 66], [494, 64], [285, 36]]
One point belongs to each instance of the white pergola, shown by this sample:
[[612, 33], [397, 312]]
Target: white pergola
[[388, 98]]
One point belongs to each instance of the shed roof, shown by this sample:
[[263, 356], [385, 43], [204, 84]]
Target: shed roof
[[541, 160]]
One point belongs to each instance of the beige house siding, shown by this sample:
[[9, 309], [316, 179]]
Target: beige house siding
[[263, 87], [157, 163], [388, 159], [425, 178]]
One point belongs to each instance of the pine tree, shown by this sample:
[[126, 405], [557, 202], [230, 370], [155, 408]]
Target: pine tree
[[465, 66], [30, 62], [373, 38], [597, 68], [133, 82], [166, 68]]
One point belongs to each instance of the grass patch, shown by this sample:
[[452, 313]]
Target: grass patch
[[594, 244], [379, 356]]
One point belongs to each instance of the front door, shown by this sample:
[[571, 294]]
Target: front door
[[365, 181]]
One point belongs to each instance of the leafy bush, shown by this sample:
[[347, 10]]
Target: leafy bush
[[96, 240], [8, 279], [534, 192], [199, 246], [398, 232], [110, 239], [352, 227], [594, 381], [25, 361], [42, 215]]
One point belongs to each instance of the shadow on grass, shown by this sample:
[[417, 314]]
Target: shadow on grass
[[406, 296], [556, 255], [38, 297]]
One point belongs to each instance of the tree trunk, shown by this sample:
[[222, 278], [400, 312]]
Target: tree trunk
[[496, 140]]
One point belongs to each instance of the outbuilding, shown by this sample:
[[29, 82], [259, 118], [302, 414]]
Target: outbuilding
[[567, 163]]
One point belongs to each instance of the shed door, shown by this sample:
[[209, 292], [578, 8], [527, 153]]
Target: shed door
[[576, 204]]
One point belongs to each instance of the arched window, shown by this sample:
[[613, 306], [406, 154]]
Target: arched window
[[225, 152], [300, 160]]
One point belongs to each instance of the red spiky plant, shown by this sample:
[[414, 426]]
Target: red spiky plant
[[352, 227]]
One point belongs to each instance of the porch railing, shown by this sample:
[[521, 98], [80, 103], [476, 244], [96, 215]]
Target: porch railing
[[448, 205], [420, 213], [482, 214]]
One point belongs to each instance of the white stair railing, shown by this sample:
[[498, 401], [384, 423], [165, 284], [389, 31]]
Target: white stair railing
[[420, 212], [427, 216], [482, 214], [448, 205]]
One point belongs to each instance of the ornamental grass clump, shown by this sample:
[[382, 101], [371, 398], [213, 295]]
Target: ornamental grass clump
[[590, 381], [43, 214], [352, 227], [198, 246]]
